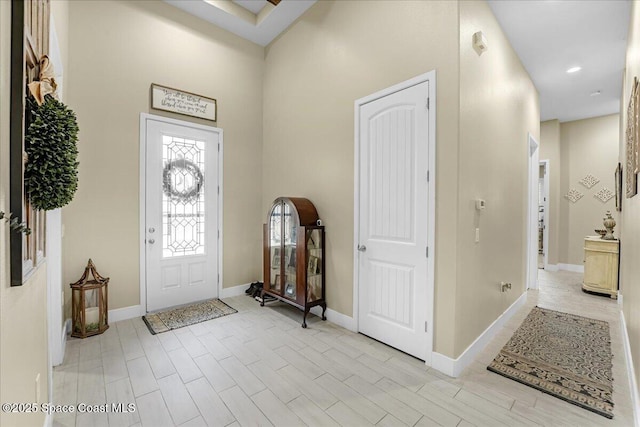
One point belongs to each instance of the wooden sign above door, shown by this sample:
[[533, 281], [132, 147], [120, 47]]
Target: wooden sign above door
[[181, 102]]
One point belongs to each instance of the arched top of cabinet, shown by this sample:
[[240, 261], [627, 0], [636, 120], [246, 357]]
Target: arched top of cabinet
[[304, 208]]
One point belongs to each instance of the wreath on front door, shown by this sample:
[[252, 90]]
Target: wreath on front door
[[186, 168]]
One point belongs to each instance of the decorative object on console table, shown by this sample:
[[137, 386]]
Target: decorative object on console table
[[601, 261], [609, 224], [89, 304], [293, 255]]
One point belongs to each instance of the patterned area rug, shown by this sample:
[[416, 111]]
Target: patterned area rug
[[563, 355], [175, 318]]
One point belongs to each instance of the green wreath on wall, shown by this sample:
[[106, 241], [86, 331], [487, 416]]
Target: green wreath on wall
[[51, 173]]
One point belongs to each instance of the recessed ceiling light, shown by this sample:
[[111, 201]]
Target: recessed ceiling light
[[596, 93], [574, 69]]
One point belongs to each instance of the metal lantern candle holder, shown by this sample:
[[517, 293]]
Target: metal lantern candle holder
[[89, 306]]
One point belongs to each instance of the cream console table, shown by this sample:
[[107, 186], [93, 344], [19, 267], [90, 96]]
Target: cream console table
[[601, 266]]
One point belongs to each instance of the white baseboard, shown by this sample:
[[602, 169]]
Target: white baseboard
[[66, 328], [454, 367], [332, 315], [633, 383], [338, 318], [566, 267], [234, 291], [620, 300], [571, 267], [130, 312], [125, 313]]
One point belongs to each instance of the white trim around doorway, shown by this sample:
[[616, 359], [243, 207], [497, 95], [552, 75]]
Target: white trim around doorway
[[531, 229], [547, 215], [142, 307], [431, 78]]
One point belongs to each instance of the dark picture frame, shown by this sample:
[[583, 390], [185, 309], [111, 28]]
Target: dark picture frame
[[631, 141], [618, 181]]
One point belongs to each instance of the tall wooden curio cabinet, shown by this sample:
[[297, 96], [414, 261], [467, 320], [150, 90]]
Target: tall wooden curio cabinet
[[294, 255]]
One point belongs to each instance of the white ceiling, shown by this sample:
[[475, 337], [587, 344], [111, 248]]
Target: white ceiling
[[254, 20], [553, 36], [549, 36], [253, 6]]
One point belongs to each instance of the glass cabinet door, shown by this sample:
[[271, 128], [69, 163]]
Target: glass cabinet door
[[283, 225], [314, 264], [290, 227], [275, 244]]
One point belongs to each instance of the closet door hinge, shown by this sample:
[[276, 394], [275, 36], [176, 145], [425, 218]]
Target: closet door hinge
[[428, 103], [426, 324], [427, 252]]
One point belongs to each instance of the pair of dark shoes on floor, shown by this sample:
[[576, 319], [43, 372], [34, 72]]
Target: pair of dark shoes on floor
[[254, 289]]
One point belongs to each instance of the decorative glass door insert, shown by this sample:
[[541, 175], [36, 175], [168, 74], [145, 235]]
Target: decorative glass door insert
[[282, 235], [183, 197]]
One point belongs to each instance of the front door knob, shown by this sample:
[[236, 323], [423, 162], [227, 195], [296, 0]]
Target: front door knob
[[362, 248], [152, 241]]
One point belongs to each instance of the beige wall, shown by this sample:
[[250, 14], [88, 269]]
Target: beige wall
[[550, 150], [588, 146], [575, 149], [60, 13], [23, 329], [498, 109], [336, 54], [630, 235], [113, 61]]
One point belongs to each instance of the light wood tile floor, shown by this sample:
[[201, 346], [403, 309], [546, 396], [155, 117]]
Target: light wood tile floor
[[258, 367]]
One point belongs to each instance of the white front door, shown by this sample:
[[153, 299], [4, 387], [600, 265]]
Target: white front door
[[393, 220], [181, 213]]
